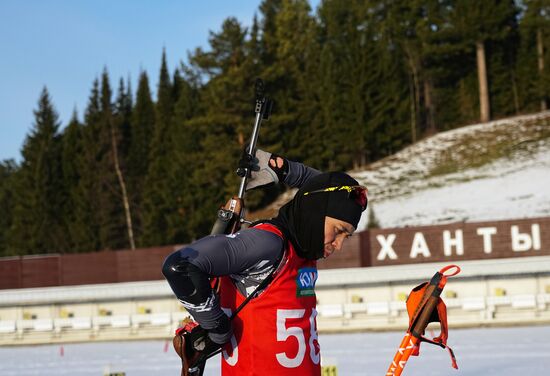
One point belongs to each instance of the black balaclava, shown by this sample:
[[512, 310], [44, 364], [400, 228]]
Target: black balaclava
[[303, 218]]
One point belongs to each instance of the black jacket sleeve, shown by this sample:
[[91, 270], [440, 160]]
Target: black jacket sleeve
[[298, 174]]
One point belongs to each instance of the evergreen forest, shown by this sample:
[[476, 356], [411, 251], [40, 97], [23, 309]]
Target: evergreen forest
[[352, 81]]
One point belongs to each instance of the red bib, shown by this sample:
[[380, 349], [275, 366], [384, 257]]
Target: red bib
[[276, 332]]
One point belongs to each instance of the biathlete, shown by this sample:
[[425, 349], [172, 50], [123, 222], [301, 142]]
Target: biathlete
[[275, 333]]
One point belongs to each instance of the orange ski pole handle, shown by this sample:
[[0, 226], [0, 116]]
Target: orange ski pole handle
[[420, 317]]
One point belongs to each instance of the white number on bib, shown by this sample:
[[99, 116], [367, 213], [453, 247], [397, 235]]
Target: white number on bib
[[294, 331], [315, 356], [231, 360]]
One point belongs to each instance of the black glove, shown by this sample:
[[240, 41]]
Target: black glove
[[223, 331], [248, 162], [193, 344], [279, 165]]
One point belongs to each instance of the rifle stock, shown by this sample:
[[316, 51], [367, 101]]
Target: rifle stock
[[229, 217]]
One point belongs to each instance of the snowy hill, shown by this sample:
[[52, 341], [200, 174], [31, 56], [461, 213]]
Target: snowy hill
[[491, 171]]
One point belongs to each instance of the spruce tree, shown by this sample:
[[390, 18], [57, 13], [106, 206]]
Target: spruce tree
[[344, 71], [113, 227], [269, 42], [38, 199], [157, 203], [7, 170], [286, 77], [223, 123], [533, 71], [476, 24], [137, 163], [86, 226], [71, 143], [186, 155], [120, 134], [123, 117]]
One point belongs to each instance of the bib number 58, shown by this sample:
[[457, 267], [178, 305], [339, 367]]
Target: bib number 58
[[284, 332]]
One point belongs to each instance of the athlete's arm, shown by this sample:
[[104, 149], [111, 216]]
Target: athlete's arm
[[188, 271], [298, 174], [268, 168]]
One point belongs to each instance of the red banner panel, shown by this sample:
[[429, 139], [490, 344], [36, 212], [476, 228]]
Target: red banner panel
[[142, 264], [10, 273], [40, 271], [89, 268], [460, 241]]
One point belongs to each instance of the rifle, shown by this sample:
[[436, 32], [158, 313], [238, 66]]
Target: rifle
[[231, 216], [424, 305], [229, 220]]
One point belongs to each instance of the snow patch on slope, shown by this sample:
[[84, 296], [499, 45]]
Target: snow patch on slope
[[402, 192], [502, 190]]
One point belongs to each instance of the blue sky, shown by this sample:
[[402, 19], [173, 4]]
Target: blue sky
[[65, 44]]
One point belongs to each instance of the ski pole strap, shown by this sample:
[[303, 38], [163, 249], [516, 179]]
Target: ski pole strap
[[440, 344], [425, 305]]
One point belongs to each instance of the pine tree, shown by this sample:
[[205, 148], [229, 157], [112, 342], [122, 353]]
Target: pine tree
[[113, 226], [413, 26], [120, 134], [344, 71], [229, 75], [225, 117], [71, 142], [185, 156], [478, 23], [450, 63], [268, 29], [137, 163], [157, 203], [86, 223], [123, 117], [7, 170], [36, 226], [535, 52], [295, 32]]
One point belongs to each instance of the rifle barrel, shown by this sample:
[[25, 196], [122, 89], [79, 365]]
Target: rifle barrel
[[252, 150]]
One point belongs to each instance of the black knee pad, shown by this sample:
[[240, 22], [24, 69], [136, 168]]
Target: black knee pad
[[188, 282]]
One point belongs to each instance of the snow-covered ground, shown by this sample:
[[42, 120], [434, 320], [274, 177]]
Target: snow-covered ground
[[496, 351], [504, 189], [405, 191]]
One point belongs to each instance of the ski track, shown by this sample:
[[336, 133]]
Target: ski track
[[485, 351]]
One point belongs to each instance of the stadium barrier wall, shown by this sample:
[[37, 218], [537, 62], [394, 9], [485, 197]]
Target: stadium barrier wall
[[487, 292]]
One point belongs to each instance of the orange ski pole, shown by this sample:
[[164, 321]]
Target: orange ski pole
[[402, 355], [419, 320]]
